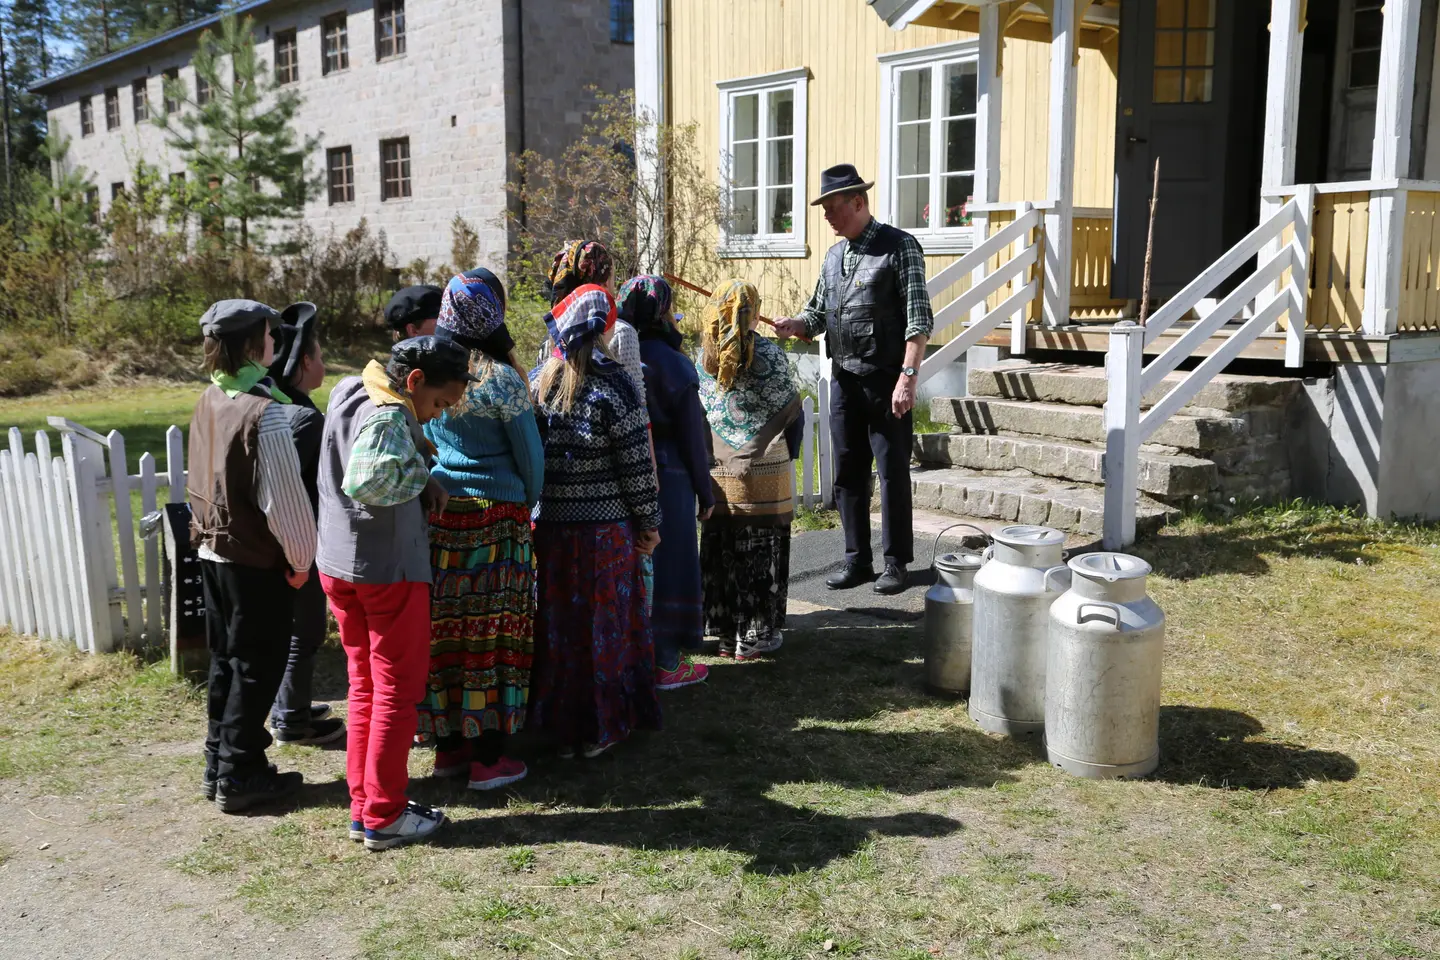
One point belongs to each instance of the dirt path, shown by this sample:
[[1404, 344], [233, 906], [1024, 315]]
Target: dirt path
[[93, 882]]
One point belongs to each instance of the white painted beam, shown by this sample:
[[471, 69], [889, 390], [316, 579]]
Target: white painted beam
[[1060, 182], [987, 131], [1282, 108], [650, 43]]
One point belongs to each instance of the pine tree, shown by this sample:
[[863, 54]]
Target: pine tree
[[246, 165], [99, 27], [62, 223], [29, 32]]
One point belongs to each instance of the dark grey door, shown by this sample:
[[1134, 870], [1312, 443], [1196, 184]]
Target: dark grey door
[[1187, 95]]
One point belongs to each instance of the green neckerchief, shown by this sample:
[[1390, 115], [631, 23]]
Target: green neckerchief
[[244, 381]]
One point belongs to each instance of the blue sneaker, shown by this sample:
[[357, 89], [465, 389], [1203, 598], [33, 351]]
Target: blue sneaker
[[357, 831], [417, 823]]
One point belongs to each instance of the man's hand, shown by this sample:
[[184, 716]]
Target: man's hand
[[434, 497], [296, 578], [787, 327], [903, 400], [647, 540], [707, 512]]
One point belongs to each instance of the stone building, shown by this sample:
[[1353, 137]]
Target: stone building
[[418, 104]]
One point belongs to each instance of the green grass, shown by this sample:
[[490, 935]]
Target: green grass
[[821, 804]]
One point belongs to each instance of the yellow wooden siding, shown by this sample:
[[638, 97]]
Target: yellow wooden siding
[[1337, 272], [839, 40], [1420, 263]]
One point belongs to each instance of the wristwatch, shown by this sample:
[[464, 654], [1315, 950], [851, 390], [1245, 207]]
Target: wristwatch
[[909, 371]]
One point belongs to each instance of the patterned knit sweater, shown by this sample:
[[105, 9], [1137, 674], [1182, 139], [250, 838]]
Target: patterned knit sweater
[[597, 456]]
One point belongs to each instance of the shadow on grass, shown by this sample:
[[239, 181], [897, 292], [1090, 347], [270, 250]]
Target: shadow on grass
[[1212, 747]]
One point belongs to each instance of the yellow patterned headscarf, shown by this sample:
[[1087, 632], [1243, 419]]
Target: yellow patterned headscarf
[[730, 318]]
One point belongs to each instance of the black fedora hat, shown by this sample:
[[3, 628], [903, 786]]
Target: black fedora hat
[[841, 178]]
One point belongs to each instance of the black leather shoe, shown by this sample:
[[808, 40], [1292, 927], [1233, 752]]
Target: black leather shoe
[[892, 581], [233, 796], [851, 575]]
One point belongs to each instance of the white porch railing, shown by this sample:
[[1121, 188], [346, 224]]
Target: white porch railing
[[59, 577], [1130, 378], [1014, 272], [816, 486]]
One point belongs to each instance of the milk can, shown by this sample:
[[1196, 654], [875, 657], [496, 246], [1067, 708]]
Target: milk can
[[949, 620], [1102, 696], [1012, 601]]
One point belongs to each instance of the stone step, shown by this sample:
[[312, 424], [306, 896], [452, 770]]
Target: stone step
[[1166, 477], [1059, 421], [1072, 507], [1087, 386]]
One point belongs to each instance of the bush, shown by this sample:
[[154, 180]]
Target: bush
[[31, 363]]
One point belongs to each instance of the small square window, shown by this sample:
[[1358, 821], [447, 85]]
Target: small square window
[[170, 81], [92, 204], [389, 28], [335, 44], [622, 21], [202, 90], [340, 165], [395, 169], [287, 57], [117, 190], [139, 96], [87, 117], [112, 109]]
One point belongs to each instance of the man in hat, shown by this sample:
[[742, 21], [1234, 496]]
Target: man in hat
[[254, 530], [412, 312], [872, 306], [298, 369]]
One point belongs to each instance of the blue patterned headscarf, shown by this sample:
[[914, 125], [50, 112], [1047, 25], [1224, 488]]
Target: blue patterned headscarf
[[644, 302], [469, 311]]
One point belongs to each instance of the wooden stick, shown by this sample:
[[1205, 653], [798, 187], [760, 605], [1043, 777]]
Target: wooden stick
[[1149, 246], [702, 291]]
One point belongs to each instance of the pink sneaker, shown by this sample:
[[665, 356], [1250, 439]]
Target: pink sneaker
[[452, 763], [505, 772], [685, 675]]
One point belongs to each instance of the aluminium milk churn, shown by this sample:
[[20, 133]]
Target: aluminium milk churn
[[1102, 693], [949, 624], [1013, 594]]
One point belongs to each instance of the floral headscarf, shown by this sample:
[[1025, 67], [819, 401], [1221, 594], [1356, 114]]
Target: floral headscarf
[[469, 310], [577, 321], [644, 301], [729, 320], [580, 262]]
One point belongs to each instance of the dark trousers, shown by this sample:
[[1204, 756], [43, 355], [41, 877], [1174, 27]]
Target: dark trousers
[[247, 628], [861, 428], [292, 705]]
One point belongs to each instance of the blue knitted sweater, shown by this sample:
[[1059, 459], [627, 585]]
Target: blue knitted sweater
[[597, 456], [488, 445]]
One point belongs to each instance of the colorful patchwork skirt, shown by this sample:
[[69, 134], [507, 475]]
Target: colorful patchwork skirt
[[482, 618], [594, 678]]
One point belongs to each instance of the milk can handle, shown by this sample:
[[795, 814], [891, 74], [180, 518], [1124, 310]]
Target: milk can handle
[[1056, 569], [1113, 608], [935, 549]]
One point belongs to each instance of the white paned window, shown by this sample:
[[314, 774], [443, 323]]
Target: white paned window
[[762, 164], [927, 153]]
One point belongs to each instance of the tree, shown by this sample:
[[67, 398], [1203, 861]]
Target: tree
[[61, 225], [247, 169], [98, 27], [29, 34]]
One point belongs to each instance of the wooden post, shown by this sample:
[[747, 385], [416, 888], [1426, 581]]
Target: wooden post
[[120, 484], [1018, 319], [175, 464], [15, 594], [18, 545], [1149, 245], [1282, 112], [1389, 160], [822, 427], [154, 596], [1122, 432], [1299, 291], [54, 518], [1060, 182], [84, 462], [69, 554], [987, 132]]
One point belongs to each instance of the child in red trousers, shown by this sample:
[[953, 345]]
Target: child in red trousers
[[374, 561]]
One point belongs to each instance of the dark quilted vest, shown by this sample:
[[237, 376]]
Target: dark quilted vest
[[865, 312]]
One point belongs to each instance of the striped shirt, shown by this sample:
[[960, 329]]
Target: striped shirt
[[919, 311], [280, 492], [385, 469]]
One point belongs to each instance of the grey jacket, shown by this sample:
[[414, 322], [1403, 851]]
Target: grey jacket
[[360, 543]]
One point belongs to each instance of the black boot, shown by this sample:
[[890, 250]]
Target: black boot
[[233, 796]]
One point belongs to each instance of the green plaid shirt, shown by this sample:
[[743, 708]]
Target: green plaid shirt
[[385, 469], [919, 314]]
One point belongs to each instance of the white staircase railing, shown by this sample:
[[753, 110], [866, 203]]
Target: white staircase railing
[[1130, 379], [1022, 231]]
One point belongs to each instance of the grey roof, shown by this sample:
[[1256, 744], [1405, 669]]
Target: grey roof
[[136, 51]]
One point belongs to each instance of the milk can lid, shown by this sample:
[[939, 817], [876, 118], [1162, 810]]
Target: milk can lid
[[1024, 535], [1110, 566], [956, 562]]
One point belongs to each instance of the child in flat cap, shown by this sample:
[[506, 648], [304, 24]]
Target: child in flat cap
[[254, 530], [374, 561]]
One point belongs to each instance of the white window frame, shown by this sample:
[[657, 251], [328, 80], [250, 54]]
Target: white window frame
[[940, 240], [772, 244]]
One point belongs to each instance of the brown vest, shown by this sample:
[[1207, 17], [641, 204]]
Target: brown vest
[[224, 466]]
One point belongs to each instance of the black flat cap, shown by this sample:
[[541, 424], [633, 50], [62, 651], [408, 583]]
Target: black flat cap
[[413, 305], [296, 320], [436, 357], [233, 316]]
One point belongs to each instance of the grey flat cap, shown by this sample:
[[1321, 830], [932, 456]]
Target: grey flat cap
[[232, 316]]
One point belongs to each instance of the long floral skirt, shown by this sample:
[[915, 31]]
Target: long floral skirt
[[745, 575], [594, 678], [482, 613]]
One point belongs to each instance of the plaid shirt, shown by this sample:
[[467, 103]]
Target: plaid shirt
[[919, 314], [385, 469]]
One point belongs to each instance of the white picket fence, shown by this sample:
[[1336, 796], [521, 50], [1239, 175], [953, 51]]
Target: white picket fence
[[817, 471], [59, 577]]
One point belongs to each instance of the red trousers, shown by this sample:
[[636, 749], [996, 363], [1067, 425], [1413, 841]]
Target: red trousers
[[385, 630]]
